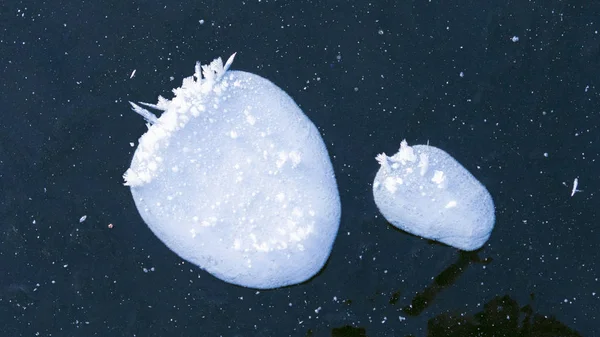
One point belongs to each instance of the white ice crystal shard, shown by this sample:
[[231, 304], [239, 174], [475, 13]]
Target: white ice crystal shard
[[236, 179], [424, 191]]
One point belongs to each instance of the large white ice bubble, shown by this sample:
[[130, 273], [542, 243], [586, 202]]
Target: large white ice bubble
[[234, 178], [424, 191]]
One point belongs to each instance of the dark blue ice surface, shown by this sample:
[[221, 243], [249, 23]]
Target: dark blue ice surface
[[523, 118]]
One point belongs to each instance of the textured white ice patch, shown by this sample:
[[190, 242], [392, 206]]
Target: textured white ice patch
[[236, 179], [424, 191]]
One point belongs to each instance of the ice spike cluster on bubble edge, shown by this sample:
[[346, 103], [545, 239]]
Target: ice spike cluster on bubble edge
[[187, 103]]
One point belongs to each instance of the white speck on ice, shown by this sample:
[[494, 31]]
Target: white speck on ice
[[132, 73], [82, 219], [575, 190], [514, 39]]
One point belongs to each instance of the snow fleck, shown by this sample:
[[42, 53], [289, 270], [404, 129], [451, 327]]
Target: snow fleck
[[575, 190]]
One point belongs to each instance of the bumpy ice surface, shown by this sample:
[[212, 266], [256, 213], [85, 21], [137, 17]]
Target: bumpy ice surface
[[424, 191], [236, 179]]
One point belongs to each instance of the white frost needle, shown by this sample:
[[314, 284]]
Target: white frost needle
[[575, 190]]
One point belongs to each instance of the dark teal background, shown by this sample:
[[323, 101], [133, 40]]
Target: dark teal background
[[368, 74]]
